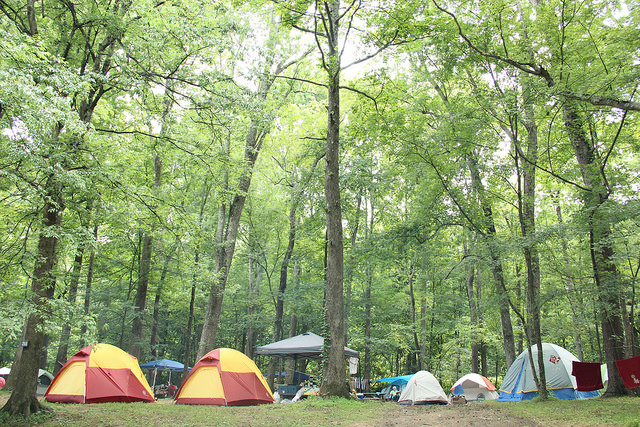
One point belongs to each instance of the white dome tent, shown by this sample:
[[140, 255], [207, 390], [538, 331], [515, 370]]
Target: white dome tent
[[518, 384], [423, 388], [475, 387]]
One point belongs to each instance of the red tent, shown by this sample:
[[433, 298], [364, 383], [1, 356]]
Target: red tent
[[224, 377], [100, 373]]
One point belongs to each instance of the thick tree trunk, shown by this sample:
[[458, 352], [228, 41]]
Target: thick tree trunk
[[334, 380], [24, 373], [607, 278]]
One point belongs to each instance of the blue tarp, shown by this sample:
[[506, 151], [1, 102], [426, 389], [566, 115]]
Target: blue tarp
[[458, 390], [297, 376], [403, 379], [163, 365]]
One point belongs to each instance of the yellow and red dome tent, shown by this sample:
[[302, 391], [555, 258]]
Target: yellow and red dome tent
[[224, 377], [100, 373]]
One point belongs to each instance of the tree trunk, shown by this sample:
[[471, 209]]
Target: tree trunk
[[63, 347], [24, 373], [290, 364], [87, 289], [135, 259], [367, 329], [473, 317], [508, 339], [282, 287], [334, 380], [527, 224], [227, 232], [414, 325], [576, 304], [156, 303], [251, 309], [350, 266], [607, 278], [137, 330]]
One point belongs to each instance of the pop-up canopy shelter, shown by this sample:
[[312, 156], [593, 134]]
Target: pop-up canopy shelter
[[519, 384], [100, 373], [304, 346], [224, 377], [475, 387], [423, 388], [162, 365]]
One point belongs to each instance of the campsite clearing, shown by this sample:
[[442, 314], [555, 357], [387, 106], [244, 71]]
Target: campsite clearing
[[341, 412]]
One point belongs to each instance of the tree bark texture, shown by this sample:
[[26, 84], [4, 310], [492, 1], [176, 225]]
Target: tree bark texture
[[334, 380], [24, 373], [606, 276]]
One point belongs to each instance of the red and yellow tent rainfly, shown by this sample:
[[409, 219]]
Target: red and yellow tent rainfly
[[224, 377], [100, 373]]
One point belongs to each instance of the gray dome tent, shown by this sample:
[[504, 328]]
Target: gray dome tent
[[518, 384]]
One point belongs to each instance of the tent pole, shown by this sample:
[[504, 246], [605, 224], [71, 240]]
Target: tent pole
[[155, 372]]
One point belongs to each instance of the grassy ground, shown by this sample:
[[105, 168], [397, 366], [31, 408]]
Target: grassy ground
[[339, 412]]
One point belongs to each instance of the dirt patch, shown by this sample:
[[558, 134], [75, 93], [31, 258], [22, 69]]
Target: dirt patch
[[471, 414]]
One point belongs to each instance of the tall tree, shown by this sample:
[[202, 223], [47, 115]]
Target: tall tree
[[87, 54], [273, 65], [568, 90]]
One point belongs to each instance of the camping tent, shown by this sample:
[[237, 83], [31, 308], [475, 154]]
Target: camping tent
[[304, 346], [224, 377], [423, 388], [100, 373], [44, 379], [475, 387], [519, 384]]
